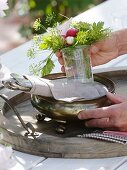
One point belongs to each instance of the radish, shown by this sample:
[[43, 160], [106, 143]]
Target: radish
[[71, 32]]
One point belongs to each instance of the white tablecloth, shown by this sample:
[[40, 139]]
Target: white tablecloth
[[17, 61]]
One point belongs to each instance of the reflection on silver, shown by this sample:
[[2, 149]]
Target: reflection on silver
[[17, 82]]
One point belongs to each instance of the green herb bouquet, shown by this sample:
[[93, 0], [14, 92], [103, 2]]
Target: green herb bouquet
[[69, 34]]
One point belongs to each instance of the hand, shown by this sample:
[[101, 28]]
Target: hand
[[113, 117], [60, 59], [101, 52], [104, 50]]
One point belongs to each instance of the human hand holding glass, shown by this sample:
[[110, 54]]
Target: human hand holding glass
[[113, 117], [101, 52]]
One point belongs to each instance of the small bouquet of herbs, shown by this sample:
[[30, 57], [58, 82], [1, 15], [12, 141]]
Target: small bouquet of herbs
[[69, 34]]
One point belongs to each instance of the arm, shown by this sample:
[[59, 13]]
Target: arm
[[109, 48]]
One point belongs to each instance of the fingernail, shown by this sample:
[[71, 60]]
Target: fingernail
[[79, 116]]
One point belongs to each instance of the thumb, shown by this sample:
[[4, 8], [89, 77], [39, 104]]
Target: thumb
[[114, 98], [97, 46], [94, 49]]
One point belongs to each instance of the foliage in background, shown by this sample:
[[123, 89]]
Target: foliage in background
[[41, 8]]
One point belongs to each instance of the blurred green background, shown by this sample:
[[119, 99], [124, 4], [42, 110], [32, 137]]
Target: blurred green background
[[17, 27], [41, 8]]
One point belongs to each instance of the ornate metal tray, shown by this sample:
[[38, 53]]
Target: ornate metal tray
[[39, 138]]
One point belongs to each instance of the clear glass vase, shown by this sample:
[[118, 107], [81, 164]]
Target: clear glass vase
[[77, 63]]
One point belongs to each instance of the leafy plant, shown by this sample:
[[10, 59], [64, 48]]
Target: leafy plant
[[70, 34]]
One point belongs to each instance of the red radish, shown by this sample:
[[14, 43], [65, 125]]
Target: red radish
[[72, 32]]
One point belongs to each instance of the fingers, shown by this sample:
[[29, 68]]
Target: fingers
[[94, 113], [58, 54], [114, 98], [60, 59], [100, 123], [63, 69], [111, 117]]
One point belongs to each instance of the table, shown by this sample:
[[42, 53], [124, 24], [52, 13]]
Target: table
[[16, 60]]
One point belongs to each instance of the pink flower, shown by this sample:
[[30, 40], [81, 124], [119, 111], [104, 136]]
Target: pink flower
[[3, 6]]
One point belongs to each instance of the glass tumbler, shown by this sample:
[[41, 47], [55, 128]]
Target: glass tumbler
[[77, 63]]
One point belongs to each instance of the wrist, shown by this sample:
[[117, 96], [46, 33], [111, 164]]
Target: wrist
[[121, 40]]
